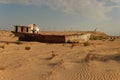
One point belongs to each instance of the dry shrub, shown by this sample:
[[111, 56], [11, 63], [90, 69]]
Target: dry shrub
[[86, 43], [18, 42], [53, 55], [3, 46], [2, 68], [64, 44], [89, 57], [61, 62], [27, 48], [7, 43], [112, 39], [98, 37], [68, 41], [73, 45], [52, 52], [11, 35]]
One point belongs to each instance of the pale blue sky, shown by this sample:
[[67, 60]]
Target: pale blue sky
[[62, 14]]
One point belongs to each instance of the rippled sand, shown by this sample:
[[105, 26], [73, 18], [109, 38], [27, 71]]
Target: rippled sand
[[44, 61]]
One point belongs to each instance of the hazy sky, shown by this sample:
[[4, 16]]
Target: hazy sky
[[62, 14]]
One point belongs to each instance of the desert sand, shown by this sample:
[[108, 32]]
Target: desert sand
[[46, 61]]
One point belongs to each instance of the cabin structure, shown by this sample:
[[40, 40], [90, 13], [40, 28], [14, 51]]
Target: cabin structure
[[24, 34], [23, 29]]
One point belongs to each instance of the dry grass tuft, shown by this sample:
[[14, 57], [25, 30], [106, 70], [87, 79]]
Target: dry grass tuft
[[18, 42], [53, 55], [27, 48], [59, 63], [86, 43], [98, 38], [3, 46], [89, 57], [52, 52], [112, 39], [73, 45], [2, 68], [7, 43]]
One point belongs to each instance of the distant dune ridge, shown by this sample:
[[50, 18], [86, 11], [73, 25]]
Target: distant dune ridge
[[99, 59]]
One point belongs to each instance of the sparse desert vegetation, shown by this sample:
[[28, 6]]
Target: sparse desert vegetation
[[19, 42], [95, 59], [2, 46], [97, 38], [2, 68], [87, 43], [27, 48]]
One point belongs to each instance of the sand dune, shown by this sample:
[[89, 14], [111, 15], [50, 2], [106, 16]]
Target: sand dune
[[44, 61]]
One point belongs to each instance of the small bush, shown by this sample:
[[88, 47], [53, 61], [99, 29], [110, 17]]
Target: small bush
[[61, 62], [18, 42], [52, 56], [7, 43], [112, 39], [89, 57], [2, 68], [68, 41], [2, 46], [73, 45], [97, 38], [93, 38], [100, 37], [10, 35], [86, 44], [52, 52], [27, 48]]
